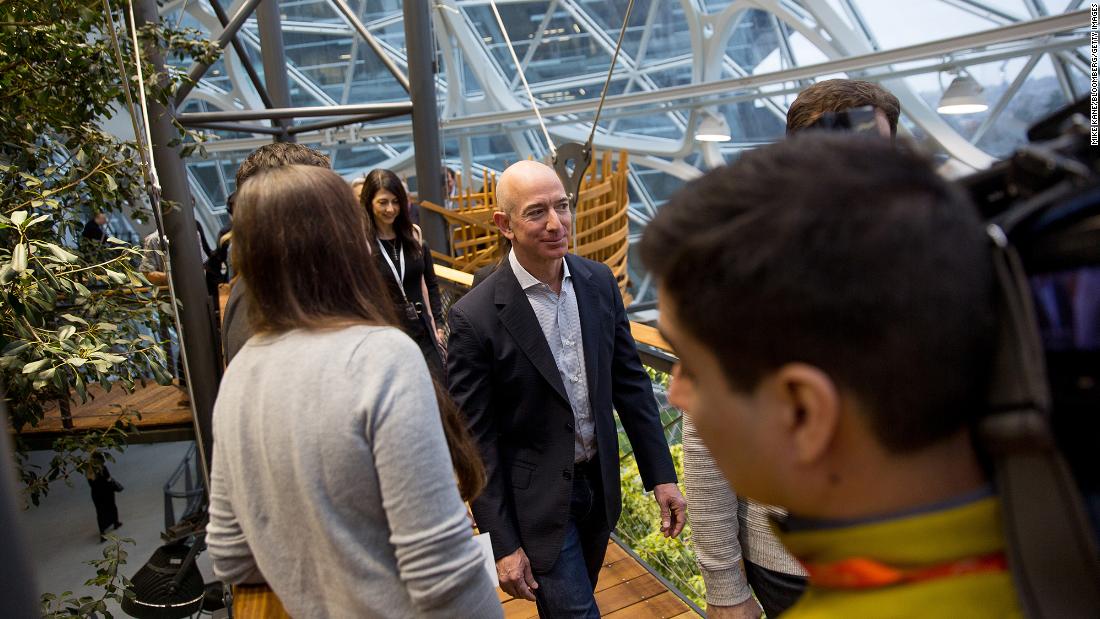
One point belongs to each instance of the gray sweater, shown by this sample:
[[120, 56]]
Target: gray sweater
[[332, 482], [727, 529]]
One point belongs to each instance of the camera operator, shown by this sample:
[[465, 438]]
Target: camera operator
[[841, 375]]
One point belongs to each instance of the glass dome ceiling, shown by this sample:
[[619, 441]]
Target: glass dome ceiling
[[745, 60]]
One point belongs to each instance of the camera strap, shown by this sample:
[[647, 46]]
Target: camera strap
[[1050, 545]]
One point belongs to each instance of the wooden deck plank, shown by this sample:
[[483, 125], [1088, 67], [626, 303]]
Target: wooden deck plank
[[661, 606], [628, 593], [618, 573], [159, 405], [625, 589]]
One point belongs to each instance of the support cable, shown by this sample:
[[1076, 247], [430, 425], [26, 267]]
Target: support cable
[[610, 70], [143, 136], [523, 78]]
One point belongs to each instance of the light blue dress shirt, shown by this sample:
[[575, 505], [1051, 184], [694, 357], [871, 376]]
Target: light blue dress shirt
[[560, 320]]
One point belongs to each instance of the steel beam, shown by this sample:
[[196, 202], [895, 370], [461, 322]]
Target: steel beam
[[429, 156], [340, 122], [273, 53], [242, 55], [391, 66], [923, 51], [238, 127], [199, 68], [402, 107], [201, 360]]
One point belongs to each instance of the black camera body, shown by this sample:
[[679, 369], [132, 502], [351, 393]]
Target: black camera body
[[1046, 199]]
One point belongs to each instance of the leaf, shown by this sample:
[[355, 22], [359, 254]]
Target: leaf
[[76, 319], [111, 184], [47, 374], [34, 366], [115, 276], [19, 258], [18, 217], [106, 326], [36, 220], [16, 347], [7, 274], [82, 290], [76, 361], [61, 254], [115, 241], [66, 332]]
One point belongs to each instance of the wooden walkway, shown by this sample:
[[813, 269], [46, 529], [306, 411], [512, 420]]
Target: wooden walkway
[[625, 590], [165, 414]]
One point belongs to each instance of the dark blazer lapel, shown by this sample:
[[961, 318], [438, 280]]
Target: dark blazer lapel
[[588, 306], [520, 321]]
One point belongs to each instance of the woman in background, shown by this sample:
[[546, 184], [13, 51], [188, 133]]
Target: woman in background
[[332, 478], [405, 263]]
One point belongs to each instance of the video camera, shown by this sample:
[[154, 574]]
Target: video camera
[[1042, 208]]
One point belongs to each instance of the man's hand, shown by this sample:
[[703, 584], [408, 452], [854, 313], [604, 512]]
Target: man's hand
[[673, 508], [514, 573], [749, 609]]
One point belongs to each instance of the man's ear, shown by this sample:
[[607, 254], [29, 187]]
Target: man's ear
[[504, 223], [812, 409]]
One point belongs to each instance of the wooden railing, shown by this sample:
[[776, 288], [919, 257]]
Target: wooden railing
[[601, 226]]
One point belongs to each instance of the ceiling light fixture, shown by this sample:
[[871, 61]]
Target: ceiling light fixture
[[712, 128], [963, 96]]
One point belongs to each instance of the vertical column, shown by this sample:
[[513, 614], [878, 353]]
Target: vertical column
[[425, 118], [274, 57], [188, 279]]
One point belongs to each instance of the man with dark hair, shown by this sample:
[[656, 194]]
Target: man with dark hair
[[839, 95], [831, 301], [734, 545], [279, 154], [236, 329], [539, 354]]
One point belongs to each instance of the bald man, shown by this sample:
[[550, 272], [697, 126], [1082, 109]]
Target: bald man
[[539, 355]]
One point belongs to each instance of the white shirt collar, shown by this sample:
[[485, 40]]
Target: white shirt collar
[[526, 280]]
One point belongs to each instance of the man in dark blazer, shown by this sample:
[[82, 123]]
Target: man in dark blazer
[[538, 356]]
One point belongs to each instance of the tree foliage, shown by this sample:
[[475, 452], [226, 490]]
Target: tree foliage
[[113, 586], [72, 312]]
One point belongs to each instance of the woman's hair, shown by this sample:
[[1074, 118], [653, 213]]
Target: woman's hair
[[377, 180], [300, 243], [465, 456]]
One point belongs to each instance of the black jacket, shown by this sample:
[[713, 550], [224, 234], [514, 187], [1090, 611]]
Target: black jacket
[[503, 376]]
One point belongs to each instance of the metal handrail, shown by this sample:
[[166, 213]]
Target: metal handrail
[[193, 492]]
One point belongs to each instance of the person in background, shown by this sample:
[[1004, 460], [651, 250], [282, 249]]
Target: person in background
[[103, 488], [152, 258], [849, 360], [450, 187], [405, 262], [332, 481], [236, 328], [94, 229], [539, 354], [840, 95], [357, 187], [735, 547]]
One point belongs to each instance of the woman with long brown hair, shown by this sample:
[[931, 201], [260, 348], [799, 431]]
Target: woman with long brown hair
[[405, 262], [333, 480]]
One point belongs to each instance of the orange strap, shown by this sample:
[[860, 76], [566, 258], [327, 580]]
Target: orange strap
[[862, 573]]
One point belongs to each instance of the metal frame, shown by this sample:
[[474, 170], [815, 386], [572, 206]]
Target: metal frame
[[837, 28]]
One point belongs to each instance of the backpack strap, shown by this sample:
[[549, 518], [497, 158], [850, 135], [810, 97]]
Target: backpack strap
[[1050, 544]]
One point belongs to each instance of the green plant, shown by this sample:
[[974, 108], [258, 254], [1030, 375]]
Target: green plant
[[72, 312], [113, 584], [639, 527]]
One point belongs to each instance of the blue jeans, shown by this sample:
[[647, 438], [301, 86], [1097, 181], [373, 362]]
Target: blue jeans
[[566, 589]]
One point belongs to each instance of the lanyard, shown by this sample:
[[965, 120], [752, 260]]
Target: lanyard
[[399, 276]]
